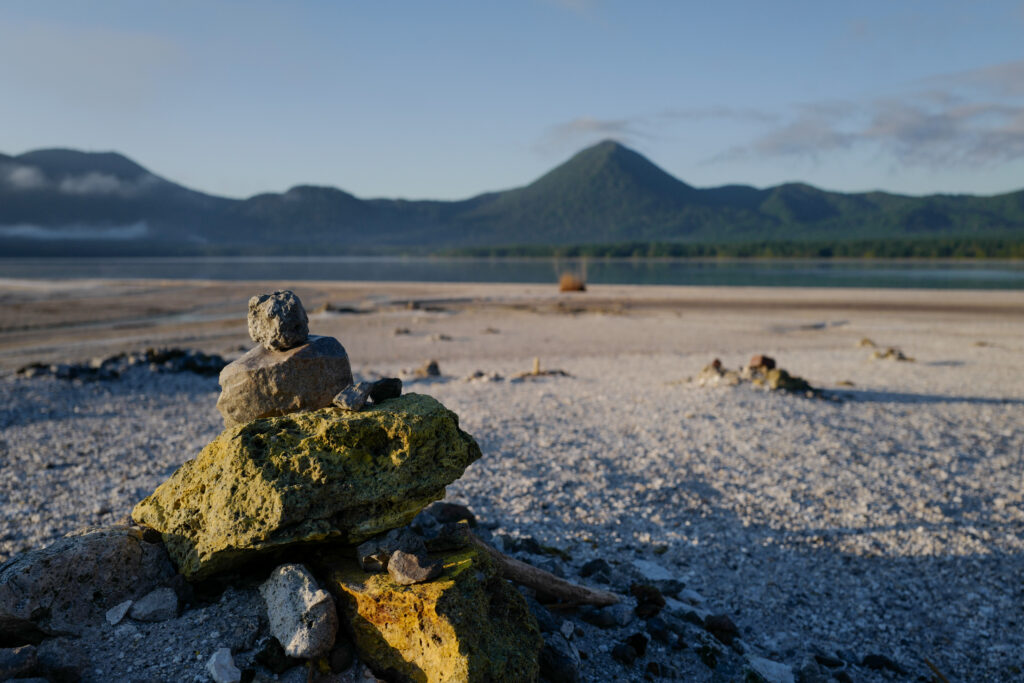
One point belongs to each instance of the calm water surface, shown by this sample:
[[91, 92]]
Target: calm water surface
[[796, 273]]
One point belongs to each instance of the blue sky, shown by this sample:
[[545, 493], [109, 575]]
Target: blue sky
[[450, 99]]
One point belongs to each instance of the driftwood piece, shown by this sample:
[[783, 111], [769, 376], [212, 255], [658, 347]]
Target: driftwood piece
[[540, 580]]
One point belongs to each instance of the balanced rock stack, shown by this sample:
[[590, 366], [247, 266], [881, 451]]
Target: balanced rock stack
[[306, 471], [308, 493], [288, 370]]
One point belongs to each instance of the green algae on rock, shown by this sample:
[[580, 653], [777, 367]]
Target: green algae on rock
[[307, 477], [468, 625]]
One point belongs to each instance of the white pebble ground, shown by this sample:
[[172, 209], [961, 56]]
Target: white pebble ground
[[889, 521]]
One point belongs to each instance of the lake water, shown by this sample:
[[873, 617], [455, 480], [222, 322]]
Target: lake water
[[795, 273]]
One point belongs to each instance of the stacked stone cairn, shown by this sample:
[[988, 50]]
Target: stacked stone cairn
[[308, 492]]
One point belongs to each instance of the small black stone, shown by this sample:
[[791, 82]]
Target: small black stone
[[649, 599], [722, 628], [624, 653], [600, 565], [842, 677], [658, 670], [638, 642], [342, 655], [385, 388], [878, 662], [660, 630], [449, 513], [830, 662]]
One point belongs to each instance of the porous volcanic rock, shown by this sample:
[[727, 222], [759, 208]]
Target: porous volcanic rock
[[278, 321], [469, 624], [266, 383], [69, 585], [328, 474], [302, 615]]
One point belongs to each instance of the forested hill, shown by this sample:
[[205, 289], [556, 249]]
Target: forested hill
[[57, 201]]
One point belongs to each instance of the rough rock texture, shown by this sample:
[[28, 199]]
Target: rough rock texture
[[302, 615], [467, 625], [221, 667], [157, 605], [353, 397], [69, 585], [277, 321], [328, 474], [373, 555], [266, 383], [409, 568]]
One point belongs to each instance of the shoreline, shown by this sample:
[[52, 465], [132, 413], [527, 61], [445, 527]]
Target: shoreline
[[69, 320]]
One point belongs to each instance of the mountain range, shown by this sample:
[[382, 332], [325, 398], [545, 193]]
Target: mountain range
[[60, 201]]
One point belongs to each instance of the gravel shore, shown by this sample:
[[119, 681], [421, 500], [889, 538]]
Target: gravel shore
[[887, 518]]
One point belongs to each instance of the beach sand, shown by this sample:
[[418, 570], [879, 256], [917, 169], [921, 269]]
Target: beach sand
[[886, 519]]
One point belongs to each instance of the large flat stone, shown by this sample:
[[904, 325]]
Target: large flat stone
[[69, 585], [265, 383], [468, 625], [330, 474]]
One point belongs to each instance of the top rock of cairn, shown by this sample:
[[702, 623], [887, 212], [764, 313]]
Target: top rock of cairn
[[278, 321]]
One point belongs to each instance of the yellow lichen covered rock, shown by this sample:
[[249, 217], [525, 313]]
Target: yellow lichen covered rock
[[467, 625], [307, 477]]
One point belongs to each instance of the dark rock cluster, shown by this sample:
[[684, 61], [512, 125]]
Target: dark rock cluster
[[112, 367]]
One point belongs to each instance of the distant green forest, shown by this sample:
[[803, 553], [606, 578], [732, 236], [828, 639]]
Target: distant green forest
[[923, 248], [606, 201]]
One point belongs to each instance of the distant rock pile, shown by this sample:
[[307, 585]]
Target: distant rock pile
[[761, 371], [112, 367], [307, 494]]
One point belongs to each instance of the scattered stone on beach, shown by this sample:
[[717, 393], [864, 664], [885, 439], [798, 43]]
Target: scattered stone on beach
[[770, 671], [865, 343], [428, 369], [68, 586], [537, 372], [221, 667], [385, 388], [761, 371], [116, 613], [277, 321], [481, 376], [714, 375], [779, 379], [559, 659], [440, 337], [302, 615], [266, 383], [466, 625], [112, 367], [17, 662], [447, 513], [722, 628], [399, 331], [890, 353], [307, 477], [160, 604], [353, 397], [374, 554], [409, 568]]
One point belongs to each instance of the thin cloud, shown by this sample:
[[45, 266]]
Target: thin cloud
[[572, 134], [19, 177], [720, 112], [969, 119]]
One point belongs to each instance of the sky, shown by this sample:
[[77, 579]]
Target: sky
[[450, 99]]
